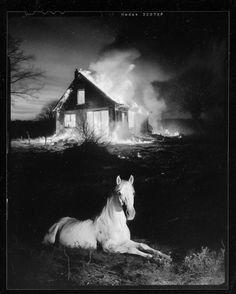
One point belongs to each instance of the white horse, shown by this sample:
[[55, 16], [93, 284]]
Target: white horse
[[109, 228]]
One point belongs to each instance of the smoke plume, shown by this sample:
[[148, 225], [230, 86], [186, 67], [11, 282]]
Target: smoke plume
[[127, 79]]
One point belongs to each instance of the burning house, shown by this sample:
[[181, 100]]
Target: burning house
[[84, 103]]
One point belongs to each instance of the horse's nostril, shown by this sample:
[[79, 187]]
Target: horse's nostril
[[130, 214]]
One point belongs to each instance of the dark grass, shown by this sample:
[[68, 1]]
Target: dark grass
[[63, 268], [181, 205]]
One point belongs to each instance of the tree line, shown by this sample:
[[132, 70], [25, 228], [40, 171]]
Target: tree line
[[27, 129], [43, 125]]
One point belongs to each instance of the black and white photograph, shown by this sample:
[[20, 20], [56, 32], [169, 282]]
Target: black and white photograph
[[118, 150]]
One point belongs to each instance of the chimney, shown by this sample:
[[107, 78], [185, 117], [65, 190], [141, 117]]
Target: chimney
[[76, 73]]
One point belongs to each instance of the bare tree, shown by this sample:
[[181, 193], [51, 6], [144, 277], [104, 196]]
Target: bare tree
[[46, 112], [26, 80], [87, 134]]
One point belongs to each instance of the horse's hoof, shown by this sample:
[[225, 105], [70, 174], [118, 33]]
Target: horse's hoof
[[149, 257], [156, 258]]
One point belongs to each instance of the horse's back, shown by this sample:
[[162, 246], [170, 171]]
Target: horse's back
[[75, 233], [50, 236]]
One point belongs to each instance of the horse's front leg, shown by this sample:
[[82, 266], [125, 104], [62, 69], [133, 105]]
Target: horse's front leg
[[147, 248], [129, 247]]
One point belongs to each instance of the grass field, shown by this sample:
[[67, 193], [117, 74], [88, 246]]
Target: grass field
[[181, 205]]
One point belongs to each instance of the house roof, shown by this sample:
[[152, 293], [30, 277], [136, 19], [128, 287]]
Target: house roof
[[67, 93]]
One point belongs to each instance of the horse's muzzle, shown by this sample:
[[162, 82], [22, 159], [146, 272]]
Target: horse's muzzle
[[130, 213]]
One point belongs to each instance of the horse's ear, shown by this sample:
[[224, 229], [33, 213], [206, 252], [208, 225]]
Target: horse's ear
[[118, 180], [131, 179]]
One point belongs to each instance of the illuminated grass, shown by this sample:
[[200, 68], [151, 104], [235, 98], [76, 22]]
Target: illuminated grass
[[47, 268]]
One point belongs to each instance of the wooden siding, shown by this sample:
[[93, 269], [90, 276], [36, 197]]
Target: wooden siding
[[95, 100]]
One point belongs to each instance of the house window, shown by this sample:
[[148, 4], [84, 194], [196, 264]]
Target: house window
[[131, 119], [80, 96], [98, 122], [122, 117], [70, 120]]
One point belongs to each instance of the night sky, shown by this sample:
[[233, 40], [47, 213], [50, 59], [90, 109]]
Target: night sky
[[165, 46]]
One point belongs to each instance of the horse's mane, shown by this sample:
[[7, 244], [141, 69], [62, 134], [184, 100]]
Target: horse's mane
[[113, 192]]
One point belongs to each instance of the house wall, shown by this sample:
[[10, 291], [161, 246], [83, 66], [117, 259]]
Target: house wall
[[60, 126], [115, 116], [94, 98], [112, 118], [81, 118], [59, 122]]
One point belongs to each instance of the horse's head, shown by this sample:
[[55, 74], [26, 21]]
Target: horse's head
[[125, 191]]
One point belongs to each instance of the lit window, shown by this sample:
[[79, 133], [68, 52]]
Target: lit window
[[80, 96], [70, 120], [98, 122], [122, 117], [131, 119]]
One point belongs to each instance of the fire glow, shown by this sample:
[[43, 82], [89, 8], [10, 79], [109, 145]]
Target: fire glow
[[117, 75], [167, 133]]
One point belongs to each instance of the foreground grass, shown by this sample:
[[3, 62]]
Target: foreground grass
[[60, 268], [50, 183]]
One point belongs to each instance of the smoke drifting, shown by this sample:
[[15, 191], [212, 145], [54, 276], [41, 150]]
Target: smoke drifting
[[129, 68], [127, 78], [114, 73]]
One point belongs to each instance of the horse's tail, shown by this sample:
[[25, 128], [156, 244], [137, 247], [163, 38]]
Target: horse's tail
[[50, 237]]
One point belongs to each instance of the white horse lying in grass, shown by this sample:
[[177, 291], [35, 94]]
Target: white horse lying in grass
[[109, 228]]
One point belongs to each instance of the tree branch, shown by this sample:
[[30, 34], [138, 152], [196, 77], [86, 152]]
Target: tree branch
[[24, 76]]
